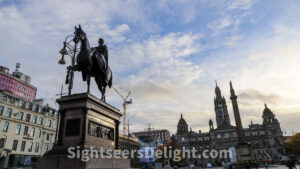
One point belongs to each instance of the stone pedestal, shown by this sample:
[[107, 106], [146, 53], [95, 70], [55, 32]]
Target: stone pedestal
[[85, 122], [245, 157]]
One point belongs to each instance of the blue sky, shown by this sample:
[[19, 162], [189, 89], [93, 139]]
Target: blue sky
[[168, 53]]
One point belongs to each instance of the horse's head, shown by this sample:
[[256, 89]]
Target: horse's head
[[79, 34]]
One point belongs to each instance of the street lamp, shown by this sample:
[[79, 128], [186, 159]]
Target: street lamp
[[63, 52], [70, 49]]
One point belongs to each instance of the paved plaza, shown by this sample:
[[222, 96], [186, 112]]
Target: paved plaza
[[271, 167]]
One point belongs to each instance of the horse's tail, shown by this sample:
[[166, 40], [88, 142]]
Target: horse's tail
[[110, 81], [84, 75]]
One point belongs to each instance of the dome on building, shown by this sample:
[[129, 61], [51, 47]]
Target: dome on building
[[267, 111], [182, 121], [182, 126]]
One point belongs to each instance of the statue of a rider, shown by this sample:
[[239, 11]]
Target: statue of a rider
[[101, 51], [92, 62]]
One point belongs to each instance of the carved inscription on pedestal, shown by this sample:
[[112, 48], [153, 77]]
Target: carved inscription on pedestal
[[100, 131]]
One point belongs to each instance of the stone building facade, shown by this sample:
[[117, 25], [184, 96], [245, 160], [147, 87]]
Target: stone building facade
[[132, 144], [266, 138], [27, 128], [163, 135]]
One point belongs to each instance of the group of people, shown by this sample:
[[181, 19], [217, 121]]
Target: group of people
[[232, 166], [291, 164]]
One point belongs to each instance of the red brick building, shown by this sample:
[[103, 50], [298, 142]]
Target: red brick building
[[17, 83]]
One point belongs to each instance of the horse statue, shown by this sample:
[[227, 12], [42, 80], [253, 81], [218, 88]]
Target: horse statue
[[92, 62]]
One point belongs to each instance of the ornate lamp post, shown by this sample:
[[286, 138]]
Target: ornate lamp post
[[70, 49]]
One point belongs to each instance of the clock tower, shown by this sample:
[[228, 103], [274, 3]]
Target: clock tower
[[222, 116]]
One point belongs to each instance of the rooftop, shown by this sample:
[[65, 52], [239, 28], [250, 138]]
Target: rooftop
[[8, 99]]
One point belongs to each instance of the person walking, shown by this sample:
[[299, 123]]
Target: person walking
[[293, 164], [289, 164], [266, 164], [256, 164]]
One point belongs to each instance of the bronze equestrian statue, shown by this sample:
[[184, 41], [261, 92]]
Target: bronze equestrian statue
[[92, 62]]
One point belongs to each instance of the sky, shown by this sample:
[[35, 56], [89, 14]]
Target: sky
[[168, 54]]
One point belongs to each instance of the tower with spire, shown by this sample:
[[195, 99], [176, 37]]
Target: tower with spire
[[211, 125], [222, 116]]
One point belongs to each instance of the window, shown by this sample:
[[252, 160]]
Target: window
[[34, 119], [49, 123], [18, 128], [20, 117], [2, 142], [15, 145], [41, 121], [8, 112], [33, 107], [32, 132], [28, 117], [1, 110], [5, 128], [20, 103], [26, 130], [37, 146], [23, 145], [47, 137], [40, 109], [30, 146], [47, 148], [39, 133], [27, 105]]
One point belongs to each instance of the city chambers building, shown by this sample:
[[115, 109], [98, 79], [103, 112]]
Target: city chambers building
[[266, 139], [27, 125]]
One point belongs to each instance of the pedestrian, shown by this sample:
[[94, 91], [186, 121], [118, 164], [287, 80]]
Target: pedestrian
[[247, 165], [232, 166], [266, 165], [289, 164], [294, 164], [256, 164]]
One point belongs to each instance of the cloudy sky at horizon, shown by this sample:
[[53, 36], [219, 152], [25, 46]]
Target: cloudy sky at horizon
[[168, 53]]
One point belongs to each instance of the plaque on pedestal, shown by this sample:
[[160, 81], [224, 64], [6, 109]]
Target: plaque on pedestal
[[85, 122]]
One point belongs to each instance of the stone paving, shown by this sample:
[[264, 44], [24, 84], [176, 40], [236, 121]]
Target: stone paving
[[271, 167]]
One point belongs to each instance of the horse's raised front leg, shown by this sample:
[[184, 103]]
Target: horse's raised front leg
[[88, 83], [75, 68], [103, 94]]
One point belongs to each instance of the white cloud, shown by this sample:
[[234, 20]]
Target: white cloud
[[238, 4], [168, 69], [155, 50], [221, 23], [232, 40]]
